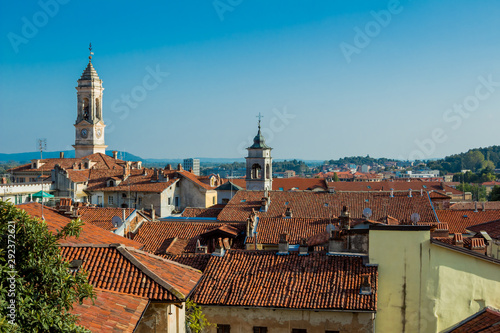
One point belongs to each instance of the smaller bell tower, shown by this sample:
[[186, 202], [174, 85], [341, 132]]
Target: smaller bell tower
[[259, 164], [89, 125]]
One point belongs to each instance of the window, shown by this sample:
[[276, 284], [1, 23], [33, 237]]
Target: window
[[176, 201], [256, 171], [299, 330], [110, 200], [169, 201], [223, 328], [124, 195], [259, 329]]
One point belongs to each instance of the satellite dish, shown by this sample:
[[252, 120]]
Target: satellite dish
[[116, 221], [330, 228], [415, 217], [367, 212]]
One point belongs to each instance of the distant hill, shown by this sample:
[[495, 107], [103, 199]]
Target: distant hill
[[26, 157], [475, 159]]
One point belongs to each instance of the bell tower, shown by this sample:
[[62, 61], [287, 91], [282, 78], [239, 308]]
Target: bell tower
[[259, 164], [89, 125]]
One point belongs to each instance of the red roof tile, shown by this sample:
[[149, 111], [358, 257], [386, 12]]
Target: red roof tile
[[134, 272], [198, 260], [485, 205], [485, 321], [158, 235], [269, 229], [459, 220], [101, 217], [287, 184], [492, 228], [89, 233], [415, 185], [265, 279], [111, 312], [201, 212], [328, 205]]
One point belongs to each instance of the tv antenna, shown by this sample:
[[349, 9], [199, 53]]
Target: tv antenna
[[42, 146]]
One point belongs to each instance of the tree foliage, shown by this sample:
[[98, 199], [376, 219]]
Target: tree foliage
[[495, 193], [196, 321], [474, 160], [359, 160], [35, 281], [478, 192]]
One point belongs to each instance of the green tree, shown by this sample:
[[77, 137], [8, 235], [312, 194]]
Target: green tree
[[495, 193], [335, 177], [478, 192], [37, 288], [196, 321]]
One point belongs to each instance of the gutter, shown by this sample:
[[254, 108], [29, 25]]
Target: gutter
[[430, 201]]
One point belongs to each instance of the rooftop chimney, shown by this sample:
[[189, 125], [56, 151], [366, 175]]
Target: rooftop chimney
[[345, 218], [410, 195], [61, 154], [179, 167], [288, 212], [153, 217], [115, 154], [283, 245], [168, 167], [199, 248], [219, 248], [458, 240], [264, 204], [366, 287], [124, 215], [303, 248], [475, 206]]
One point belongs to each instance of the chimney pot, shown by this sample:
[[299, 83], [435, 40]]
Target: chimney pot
[[115, 154], [61, 154], [283, 245], [179, 167]]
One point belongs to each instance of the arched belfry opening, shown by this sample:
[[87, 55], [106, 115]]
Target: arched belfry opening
[[259, 164]]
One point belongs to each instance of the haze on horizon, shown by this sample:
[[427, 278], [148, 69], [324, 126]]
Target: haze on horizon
[[396, 79]]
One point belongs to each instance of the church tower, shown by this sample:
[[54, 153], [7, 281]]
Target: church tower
[[89, 125], [259, 165]]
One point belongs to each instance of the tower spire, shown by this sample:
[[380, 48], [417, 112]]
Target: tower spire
[[90, 51], [260, 117]]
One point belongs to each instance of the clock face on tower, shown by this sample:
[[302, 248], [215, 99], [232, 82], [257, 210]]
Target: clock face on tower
[[84, 132], [98, 133]]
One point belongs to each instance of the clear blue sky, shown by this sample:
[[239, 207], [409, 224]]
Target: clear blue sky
[[344, 93]]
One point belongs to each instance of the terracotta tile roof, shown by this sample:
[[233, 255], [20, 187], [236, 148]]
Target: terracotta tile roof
[[158, 235], [327, 205], [198, 260], [485, 321], [172, 246], [89, 233], [492, 183], [127, 270], [201, 212], [287, 184], [265, 279], [101, 161], [415, 185], [459, 220], [111, 312], [192, 177], [139, 180], [269, 229], [487, 205], [492, 228], [101, 217], [469, 243]]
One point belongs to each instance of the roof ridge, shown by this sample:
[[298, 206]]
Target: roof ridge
[[119, 293], [161, 258], [124, 251]]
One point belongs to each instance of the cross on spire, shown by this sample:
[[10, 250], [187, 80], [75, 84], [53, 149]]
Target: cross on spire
[[90, 50], [260, 117]]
